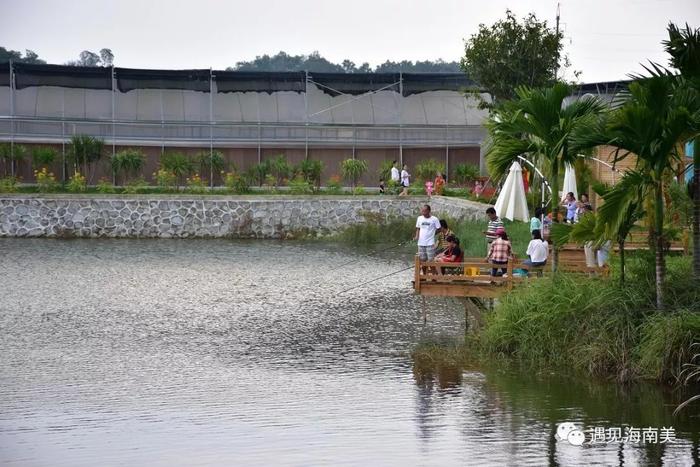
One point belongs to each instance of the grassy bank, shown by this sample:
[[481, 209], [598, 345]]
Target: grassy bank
[[591, 326], [395, 231]]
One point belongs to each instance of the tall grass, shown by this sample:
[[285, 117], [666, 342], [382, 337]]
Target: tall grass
[[598, 326], [473, 241], [376, 230]]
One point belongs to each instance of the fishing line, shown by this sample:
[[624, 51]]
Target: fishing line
[[378, 278], [360, 259]]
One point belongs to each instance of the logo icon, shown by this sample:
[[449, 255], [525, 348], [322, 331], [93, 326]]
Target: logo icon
[[568, 431]]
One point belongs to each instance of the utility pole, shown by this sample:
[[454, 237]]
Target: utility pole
[[556, 67]]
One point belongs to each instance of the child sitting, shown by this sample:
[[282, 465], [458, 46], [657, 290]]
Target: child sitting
[[453, 253], [537, 250]]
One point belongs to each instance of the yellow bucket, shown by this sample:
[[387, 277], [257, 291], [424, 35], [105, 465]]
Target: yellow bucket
[[471, 271]]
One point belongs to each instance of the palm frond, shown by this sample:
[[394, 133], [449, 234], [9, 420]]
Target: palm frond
[[621, 201]]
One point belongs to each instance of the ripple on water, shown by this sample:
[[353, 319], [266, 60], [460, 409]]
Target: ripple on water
[[245, 352]]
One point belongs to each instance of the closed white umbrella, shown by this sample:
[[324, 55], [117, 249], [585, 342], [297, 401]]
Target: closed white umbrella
[[569, 182], [511, 202]]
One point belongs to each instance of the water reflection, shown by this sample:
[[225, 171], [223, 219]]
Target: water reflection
[[220, 352], [518, 404]]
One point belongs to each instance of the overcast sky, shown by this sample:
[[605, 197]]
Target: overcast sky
[[605, 39]]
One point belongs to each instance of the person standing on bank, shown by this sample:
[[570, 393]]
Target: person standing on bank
[[395, 176], [405, 178], [427, 226]]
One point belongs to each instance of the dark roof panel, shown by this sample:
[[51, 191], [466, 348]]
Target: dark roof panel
[[27, 75], [259, 81], [134, 78]]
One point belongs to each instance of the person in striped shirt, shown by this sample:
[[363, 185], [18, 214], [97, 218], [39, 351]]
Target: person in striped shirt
[[494, 224]]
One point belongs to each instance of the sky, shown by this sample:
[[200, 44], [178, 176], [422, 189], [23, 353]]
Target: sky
[[605, 39]]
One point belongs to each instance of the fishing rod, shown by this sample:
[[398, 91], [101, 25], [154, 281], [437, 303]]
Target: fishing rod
[[360, 259], [378, 278]]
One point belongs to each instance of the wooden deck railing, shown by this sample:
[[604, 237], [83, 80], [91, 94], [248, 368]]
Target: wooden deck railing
[[472, 277]]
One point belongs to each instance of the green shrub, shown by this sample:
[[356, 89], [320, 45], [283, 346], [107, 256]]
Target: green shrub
[[384, 172], [128, 162], [271, 182], [195, 184], [334, 185], [300, 186], [137, 185], [85, 151], [210, 162], [428, 169], [311, 171], [8, 185], [280, 169], [259, 172], [43, 156], [77, 183], [165, 179], [45, 180], [177, 163], [236, 183], [12, 155], [359, 190], [353, 169], [393, 187], [465, 173], [104, 186]]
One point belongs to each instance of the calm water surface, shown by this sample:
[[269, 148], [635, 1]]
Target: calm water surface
[[154, 352]]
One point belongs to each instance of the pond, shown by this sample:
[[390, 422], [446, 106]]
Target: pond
[[215, 352]]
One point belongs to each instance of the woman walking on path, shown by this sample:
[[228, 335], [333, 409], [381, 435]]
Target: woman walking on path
[[405, 178]]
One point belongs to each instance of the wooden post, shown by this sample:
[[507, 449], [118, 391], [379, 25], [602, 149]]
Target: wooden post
[[509, 270], [416, 275]]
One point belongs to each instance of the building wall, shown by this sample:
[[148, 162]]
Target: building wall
[[243, 158]]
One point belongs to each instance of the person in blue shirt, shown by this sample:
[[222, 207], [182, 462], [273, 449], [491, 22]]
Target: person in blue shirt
[[536, 221]]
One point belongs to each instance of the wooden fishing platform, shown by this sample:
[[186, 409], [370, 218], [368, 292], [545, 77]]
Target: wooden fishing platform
[[472, 277]]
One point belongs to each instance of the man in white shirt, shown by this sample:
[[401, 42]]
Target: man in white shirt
[[426, 228], [395, 176]]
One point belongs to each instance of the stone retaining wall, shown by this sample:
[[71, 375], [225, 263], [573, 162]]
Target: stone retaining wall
[[167, 216]]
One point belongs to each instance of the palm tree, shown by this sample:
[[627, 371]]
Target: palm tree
[[658, 112], [684, 47], [538, 123]]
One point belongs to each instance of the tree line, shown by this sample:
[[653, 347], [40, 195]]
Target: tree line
[[281, 61]]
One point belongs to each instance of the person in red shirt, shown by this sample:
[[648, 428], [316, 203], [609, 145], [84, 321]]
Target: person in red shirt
[[453, 253]]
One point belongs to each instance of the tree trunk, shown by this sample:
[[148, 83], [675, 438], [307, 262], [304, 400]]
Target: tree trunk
[[621, 243], [555, 211], [696, 211], [659, 238]]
